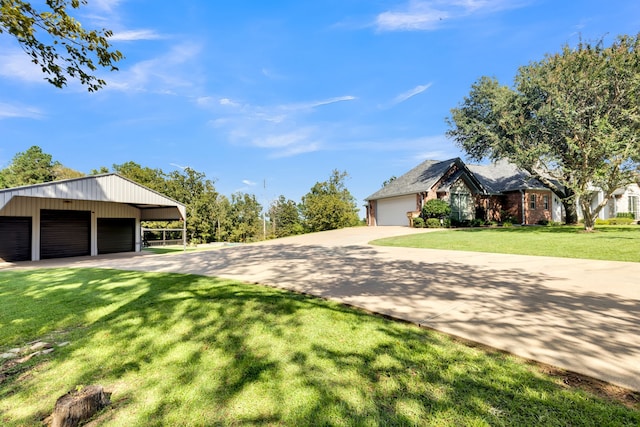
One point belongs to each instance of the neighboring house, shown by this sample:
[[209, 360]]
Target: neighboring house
[[623, 200], [83, 216], [488, 192]]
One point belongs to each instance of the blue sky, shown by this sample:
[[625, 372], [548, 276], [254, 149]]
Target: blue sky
[[283, 92]]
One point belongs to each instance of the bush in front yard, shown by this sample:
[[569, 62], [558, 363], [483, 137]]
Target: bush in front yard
[[433, 223], [626, 215], [436, 208], [418, 223], [616, 221]]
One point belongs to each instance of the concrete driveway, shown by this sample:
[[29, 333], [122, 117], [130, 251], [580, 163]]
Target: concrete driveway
[[580, 315]]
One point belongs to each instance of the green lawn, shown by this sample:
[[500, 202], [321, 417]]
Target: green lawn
[[189, 350], [615, 243]]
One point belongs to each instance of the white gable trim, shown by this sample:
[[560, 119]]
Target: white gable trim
[[99, 188]]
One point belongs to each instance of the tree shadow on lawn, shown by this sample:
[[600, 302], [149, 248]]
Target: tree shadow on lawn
[[505, 307], [186, 349], [181, 349]]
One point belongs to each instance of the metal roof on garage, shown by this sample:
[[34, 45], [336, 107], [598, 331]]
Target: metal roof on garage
[[103, 188]]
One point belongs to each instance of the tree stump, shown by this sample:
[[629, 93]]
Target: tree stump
[[77, 406]]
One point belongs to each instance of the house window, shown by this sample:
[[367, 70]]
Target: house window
[[461, 206], [532, 201], [634, 206], [545, 201], [461, 201]]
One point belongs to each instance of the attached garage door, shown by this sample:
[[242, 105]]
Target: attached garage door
[[116, 235], [393, 211], [15, 238], [64, 233]]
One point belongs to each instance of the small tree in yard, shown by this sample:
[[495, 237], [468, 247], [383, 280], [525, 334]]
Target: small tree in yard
[[329, 205], [285, 218], [436, 208]]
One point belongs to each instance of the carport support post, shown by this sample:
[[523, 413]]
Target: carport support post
[[184, 235]]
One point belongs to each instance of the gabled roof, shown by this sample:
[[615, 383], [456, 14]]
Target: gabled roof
[[419, 179], [469, 179], [496, 178], [100, 188], [503, 176]]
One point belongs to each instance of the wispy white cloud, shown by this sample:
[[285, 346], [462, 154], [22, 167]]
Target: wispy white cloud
[[15, 65], [179, 166], [105, 5], [248, 182], [270, 74], [163, 74], [420, 16], [281, 142], [229, 102], [328, 101], [424, 144], [296, 150], [429, 15], [278, 128], [134, 35], [431, 155], [411, 93], [16, 111]]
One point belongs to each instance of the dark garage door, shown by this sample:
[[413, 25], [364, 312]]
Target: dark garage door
[[64, 233], [116, 235], [15, 238]]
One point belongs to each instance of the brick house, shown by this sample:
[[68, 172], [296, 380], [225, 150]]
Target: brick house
[[488, 192]]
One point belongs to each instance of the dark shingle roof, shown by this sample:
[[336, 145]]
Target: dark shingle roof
[[503, 176], [494, 178], [419, 179]]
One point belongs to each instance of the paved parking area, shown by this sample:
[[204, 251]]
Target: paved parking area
[[580, 315]]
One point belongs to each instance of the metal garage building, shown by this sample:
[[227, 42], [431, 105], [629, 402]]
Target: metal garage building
[[84, 216]]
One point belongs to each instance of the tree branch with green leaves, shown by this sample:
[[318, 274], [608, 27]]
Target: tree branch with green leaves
[[57, 42]]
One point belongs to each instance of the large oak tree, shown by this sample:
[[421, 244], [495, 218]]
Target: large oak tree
[[572, 120]]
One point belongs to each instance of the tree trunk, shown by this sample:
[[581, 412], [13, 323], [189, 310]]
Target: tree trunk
[[570, 208], [587, 214], [570, 212]]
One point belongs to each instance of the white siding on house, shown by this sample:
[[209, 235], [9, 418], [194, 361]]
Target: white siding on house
[[621, 202], [393, 211], [557, 213], [629, 201]]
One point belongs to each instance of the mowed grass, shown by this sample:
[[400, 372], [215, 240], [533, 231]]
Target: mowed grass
[[185, 350], [613, 243], [171, 249]]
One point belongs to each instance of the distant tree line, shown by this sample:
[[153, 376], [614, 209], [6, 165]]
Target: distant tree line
[[211, 216]]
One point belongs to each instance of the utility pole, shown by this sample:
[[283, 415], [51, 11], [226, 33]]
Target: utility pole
[[264, 211]]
